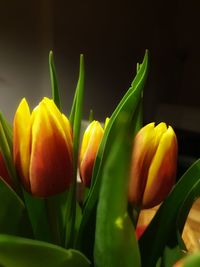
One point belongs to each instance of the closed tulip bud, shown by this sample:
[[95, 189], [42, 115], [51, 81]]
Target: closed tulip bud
[[154, 162], [4, 174], [89, 148], [43, 148]]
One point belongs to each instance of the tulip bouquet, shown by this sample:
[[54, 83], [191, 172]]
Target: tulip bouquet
[[124, 168]]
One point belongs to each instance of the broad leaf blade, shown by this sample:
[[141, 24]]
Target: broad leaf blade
[[13, 218], [115, 242], [129, 105], [21, 252]]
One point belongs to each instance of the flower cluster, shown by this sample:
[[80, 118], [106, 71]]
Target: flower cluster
[[124, 167]]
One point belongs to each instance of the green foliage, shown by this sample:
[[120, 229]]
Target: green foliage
[[75, 119], [6, 148], [129, 105], [13, 217], [101, 228], [54, 82], [115, 241], [192, 260], [21, 252], [163, 230]]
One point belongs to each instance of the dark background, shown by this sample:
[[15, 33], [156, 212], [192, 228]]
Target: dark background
[[113, 36]]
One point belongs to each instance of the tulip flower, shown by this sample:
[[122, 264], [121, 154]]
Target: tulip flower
[[43, 148], [4, 174], [153, 168], [89, 148]]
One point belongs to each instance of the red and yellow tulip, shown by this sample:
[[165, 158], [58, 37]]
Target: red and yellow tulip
[[154, 162], [89, 148], [43, 148]]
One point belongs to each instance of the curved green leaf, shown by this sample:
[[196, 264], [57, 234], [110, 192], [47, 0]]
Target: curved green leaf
[[192, 260], [115, 241], [7, 130], [184, 210], [54, 82], [162, 230], [21, 252], [75, 119], [13, 219], [6, 150], [129, 105]]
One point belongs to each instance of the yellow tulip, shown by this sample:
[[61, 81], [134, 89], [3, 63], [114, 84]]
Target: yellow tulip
[[43, 148], [89, 148], [153, 168]]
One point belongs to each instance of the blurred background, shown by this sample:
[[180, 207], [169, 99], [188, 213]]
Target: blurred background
[[113, 36]]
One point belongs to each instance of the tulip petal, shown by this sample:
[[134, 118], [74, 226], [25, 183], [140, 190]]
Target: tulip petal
[[62, 119], [143, 150], [90, 144], [162, 171], [51, 161], [22, 140]]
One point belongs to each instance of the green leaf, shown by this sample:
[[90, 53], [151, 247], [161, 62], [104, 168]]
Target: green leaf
[[6, 150], [21, 252], [54, 82], [36, 208], [48, 217], [78, 90], [192, 260], [13, 219], [129, 105], [115, 241], [186, 205], [78, 109], [7, 130], [91, 116], [76, 122], [162, 230], [171, 256], [72, 113]]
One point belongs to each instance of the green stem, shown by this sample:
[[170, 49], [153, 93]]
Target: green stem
[[53, 220]]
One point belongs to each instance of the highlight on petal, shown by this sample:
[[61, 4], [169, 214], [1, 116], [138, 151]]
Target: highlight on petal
[[22, 141], [62, 121], [89, 148]]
